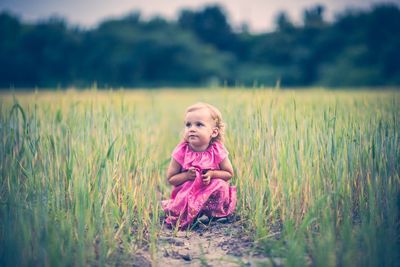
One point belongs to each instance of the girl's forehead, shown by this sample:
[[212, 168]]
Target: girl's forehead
[[198, 114]]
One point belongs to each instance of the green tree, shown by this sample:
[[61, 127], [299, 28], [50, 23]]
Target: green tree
[[210, 25]]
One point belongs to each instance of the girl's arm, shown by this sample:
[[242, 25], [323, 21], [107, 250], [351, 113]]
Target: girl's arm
[[225, 173], [175, 175]]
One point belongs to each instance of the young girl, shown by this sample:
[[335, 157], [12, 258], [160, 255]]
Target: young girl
[[200, 170]]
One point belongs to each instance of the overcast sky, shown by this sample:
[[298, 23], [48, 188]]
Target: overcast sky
[[259, 14]]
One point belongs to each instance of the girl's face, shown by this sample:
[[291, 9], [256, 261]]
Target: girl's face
[[199, 129]]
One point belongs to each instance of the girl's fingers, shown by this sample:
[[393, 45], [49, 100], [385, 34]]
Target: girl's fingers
[[206, 178]]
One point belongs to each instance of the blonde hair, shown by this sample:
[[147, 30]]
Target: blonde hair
[[215, 115]]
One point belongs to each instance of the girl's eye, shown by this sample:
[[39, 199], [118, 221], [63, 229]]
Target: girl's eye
[[188, 124], [199, 124]]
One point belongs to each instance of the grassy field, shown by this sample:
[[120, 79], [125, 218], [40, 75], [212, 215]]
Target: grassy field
[[82, 173]]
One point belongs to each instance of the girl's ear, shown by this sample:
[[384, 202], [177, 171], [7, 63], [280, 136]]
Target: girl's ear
[[215, 132]]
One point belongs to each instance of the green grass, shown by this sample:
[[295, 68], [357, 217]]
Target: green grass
[[82, 173]]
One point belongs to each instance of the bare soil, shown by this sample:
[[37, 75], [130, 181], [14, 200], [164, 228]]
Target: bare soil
[[215, 243]]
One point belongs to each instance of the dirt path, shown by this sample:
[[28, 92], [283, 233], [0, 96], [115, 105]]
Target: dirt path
[[216, 243]]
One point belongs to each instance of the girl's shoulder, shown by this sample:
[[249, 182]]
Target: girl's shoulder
[[181, 146], [219, 150], [215, 151], [217, 145], [179, 152]]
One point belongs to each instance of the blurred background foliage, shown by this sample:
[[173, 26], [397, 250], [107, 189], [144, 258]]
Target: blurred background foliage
[[201, 48]]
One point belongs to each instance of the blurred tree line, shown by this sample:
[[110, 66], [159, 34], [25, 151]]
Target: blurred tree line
[[359, 48]]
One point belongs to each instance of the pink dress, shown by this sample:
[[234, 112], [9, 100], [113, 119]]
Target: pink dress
[[216, 199]]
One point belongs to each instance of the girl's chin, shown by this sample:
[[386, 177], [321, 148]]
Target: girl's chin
[[193, 143], [193, 140]]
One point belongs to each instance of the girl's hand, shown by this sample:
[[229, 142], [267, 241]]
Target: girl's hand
[[207, 177], [191, 173]]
